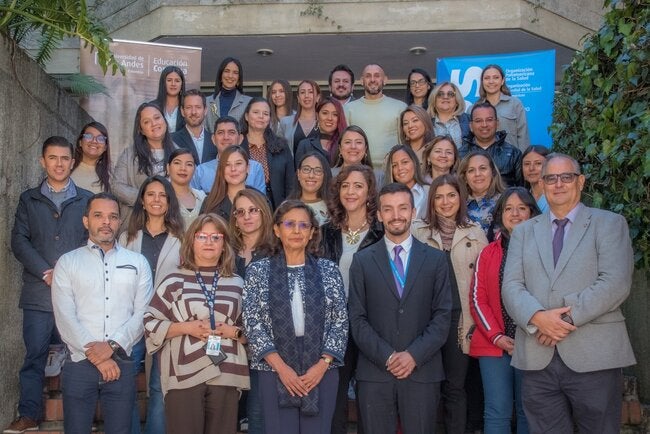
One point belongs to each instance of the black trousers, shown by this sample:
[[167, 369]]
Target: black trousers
[[454, 398], [346, 372]]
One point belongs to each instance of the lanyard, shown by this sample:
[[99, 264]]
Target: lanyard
[[401, 279], [209, 295]]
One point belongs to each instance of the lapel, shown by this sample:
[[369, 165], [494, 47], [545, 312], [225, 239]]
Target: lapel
[[239, 100], [381, 258], [415, 263], [209, 148], [170, 243], [577, 231], [544, 240]]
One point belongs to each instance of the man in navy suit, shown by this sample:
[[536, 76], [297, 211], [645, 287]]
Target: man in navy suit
[[194, 136], [400, 302]]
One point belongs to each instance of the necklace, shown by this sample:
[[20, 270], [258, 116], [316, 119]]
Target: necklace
[[352, 237]]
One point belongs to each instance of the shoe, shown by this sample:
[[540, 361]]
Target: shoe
[[22, 424], [55, 359], [243, 425]]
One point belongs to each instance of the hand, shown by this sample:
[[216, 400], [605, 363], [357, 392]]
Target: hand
[[314, 375], [506, 343], [550, 323], [401, 365], [47, 276], [198, 328], [109, 370], [294, 384], [98, 352], [545, 340], [226, 331]]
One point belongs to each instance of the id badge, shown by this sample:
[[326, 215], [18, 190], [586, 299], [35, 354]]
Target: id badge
[[213, 347]]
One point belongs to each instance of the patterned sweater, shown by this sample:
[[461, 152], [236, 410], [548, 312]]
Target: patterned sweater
[[183, 362]]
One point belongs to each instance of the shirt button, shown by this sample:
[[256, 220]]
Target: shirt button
[[401, 311], [55, 215], [469, 244], [106, 316], [107, 279], [471, 265], [106, 298]]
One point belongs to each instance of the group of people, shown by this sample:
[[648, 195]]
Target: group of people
[[291, 256]]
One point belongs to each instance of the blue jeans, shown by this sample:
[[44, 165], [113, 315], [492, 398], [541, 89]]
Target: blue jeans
[[155, 405], [137, 354], [254, 411], [38, 331], [83, 387], [501, 383]]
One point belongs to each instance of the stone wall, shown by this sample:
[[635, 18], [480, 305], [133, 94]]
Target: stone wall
[[32, 108]]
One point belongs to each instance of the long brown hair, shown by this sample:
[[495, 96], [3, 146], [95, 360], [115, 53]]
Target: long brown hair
[[461, 216], [338, 214], [265, 240], [226, 262], [139, 217], [219, 189]]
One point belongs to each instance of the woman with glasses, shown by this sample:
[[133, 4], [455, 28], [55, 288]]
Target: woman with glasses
[[416, 130], [418, 88], [92, 159], [440, 158], [510, 111], [170, 88], [403, 166], [331, 123], [353, 226], [296, 323], [180, 167], [314, 176], [532, 162], [494, 339], [304, 124], [195, 321], [447, 111], [229, 180]]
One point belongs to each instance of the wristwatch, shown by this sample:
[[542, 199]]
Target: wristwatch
[[327, 359], [239, 333], [114, 345]]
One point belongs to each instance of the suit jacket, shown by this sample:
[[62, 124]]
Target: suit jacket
[[382, 322], [593, 275], [183, 139], [237, 109], [168, 259]]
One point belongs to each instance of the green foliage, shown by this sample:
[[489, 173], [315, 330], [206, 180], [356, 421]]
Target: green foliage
[[52, 21], [601, 117]]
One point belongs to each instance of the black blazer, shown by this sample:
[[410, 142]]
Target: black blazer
[[281, 171], [382, 322], [331, 245], [182, 139]]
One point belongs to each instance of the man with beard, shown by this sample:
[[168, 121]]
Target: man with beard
[[400, 302], [341, 83], [99, 293], [377, 114], [195, 136]]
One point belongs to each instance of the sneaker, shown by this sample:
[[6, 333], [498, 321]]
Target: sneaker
[[55, 359], [22, 424], [243, 425]]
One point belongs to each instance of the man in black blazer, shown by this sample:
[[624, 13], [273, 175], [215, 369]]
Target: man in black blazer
[[194, 136], [399, 318]]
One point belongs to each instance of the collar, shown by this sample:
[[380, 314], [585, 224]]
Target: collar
[[92, 246], [406, 244], [63, 190], [571, 215], [200, 137]]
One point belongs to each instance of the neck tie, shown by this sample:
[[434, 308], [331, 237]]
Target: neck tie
[[558, 238], [399, 266]]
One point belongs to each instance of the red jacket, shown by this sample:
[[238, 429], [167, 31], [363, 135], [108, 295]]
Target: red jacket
[[485, 302]]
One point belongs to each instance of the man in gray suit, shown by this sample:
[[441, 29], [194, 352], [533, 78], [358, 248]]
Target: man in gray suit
[[567, 273]]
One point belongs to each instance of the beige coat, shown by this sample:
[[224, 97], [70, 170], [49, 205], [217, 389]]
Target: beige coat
[[465, 248]]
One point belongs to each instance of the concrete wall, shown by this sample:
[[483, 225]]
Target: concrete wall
[[32, 108], [636, 310]]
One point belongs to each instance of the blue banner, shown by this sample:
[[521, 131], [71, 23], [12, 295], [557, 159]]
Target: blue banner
[[530, 77]]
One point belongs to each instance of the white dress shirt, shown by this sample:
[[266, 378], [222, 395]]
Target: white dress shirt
[[100, 297], [404, 255]]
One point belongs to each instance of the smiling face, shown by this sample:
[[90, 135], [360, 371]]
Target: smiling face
[[57, 162], [353, 192], [236, 169], [152, 124], [193, 110], [173, 84], [515, 211], [484, 124], [446, 201], [412, 126], [181, 169], [225, 135], [310, 175], [307, 97], [353, 148], [102, 222], [396, 212], [294, 238], [403, 168], [208, 252], [446, 100], [278, 96], [230, 76], [492, 81], [479, 175], [328, 118], [442, 156], [341, 85], [418, 85], [250, 221], [154, 200], [259, 116], [531, 166], [561, 196], [373, 80], [92, 149]]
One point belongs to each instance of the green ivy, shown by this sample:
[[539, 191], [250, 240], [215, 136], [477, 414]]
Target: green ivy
[[601, 117]]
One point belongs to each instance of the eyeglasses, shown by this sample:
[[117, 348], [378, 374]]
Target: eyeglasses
[[450, 94], [89, 138], [566, 178], [203, 237], [483, 121], [292, 225], [241, 212], [420, 82], [306, 170]]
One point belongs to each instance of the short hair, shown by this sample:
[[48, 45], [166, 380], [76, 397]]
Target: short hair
[[496, 183], [193, 92], [105, 195], [392, 188], [428, 148], [355, 129], [559, 155], [338, 214], [226, 262], [433, 98], [341, 67], [289, 205], [57, 141], [480, 105], [525, 197], [423, 116], [265, 240], [222, 66], [373, 64], [504, 88], [417, 173], [432, 218], [227, 120]]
